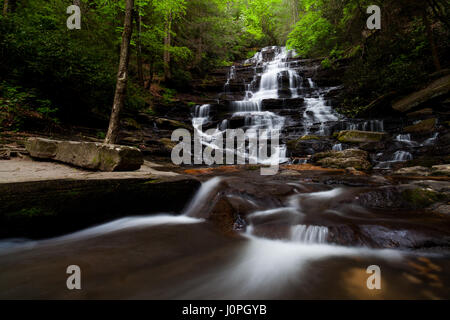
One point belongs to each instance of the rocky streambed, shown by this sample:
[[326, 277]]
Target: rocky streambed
[[307, 233], [350, 193]]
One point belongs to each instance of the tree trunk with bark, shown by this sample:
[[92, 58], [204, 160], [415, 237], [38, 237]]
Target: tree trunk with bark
[[5, 7], [430, 37], [139, 49], [167, 43], [122, 75]]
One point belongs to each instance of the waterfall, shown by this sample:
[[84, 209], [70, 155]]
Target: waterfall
[[431, 140], [337, 147], [401, 156], [309, 234], [200, 200], [274, 70], [372, 125], [202, 111], [317, 112]]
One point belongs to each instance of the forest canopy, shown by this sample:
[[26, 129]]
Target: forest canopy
[[175, 41]]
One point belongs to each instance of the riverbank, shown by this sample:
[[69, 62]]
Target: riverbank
[[45, 199]]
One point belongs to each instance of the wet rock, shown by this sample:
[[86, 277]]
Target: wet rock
[[442, 209], [421, 197], [441, 170], [344, 235], [42, 209], [223, 216], [308, 145], [414, 171], [350, 158], [436, 89], [383, 237], [382, 198], [424, 126], [168, 124], [341, 163], [348, 153], [87, 155], [276, 104], [5, 155], [355, 136], [420, 113]]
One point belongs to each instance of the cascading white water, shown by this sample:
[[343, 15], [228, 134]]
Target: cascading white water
[[431, 140], [401, 156], [309, 234], [317, 112], [200, 199], [338, 147], [372, 125], [250, 108]]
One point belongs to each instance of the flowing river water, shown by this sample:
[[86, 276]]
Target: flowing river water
[[290, 238]]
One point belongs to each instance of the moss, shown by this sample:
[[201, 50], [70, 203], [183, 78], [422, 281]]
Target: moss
[[31, 212], [95, 161], [132, 123], [152, 181], [354, 136], [252, 167], [169, 144], [309, 137], [422, 198]]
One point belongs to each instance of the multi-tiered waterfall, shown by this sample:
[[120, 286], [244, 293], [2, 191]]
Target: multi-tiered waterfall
[[275, 91], [271, 96]]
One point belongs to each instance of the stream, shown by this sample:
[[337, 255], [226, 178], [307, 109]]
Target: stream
[[244, 236]]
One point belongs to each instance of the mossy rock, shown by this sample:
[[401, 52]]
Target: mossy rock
[[424, 126], [129, 122], [169, 144], [344, 163], [309, 137], [348, 153], [441, 170], [169, 124], [355, 136], [422, 198]]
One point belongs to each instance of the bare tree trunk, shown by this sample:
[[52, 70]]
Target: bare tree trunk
[[167, 43], [139, 49], [122, 75], [434, 51], [5, 7]]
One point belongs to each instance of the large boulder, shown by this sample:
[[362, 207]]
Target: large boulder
[[87, 155], [350, 158], [441, 170], [414, 171], [424, 126], [436, 89], [308, 145], [355, 136]]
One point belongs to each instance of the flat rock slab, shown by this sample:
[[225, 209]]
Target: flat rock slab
[[87, 155], [355, 136], [44, 199], [22, 170]]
